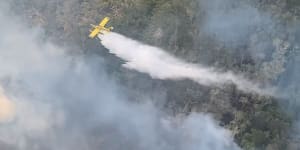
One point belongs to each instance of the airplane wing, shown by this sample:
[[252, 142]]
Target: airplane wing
[[104, 22], [94, 33], [101, 29]]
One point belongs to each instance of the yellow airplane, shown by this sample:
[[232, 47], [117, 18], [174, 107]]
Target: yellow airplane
[[100, 28]]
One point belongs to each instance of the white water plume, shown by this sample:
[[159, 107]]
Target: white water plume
[[161, 65]]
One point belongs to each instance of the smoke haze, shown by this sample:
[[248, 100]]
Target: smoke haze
[[52, 100], [236, 24]]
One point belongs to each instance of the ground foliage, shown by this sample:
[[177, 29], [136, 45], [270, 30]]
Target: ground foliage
[[257, 122]]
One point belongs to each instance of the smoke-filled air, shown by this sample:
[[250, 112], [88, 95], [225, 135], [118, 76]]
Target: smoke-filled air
[[57, 101], [149, 75]]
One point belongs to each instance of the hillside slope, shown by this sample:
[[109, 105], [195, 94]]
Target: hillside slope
[[258, 39]]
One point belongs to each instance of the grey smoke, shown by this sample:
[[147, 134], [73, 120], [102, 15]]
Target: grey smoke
[[68, 102], [241, 23], [271, 39], [233, 23]]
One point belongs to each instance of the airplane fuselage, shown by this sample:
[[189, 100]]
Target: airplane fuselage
[[100, 29]]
